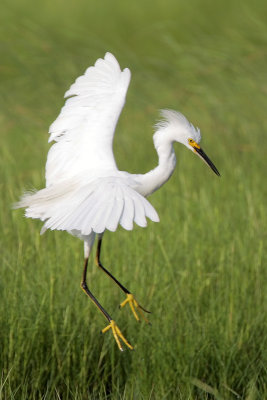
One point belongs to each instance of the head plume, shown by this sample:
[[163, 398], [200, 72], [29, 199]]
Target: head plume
[[176, 121]]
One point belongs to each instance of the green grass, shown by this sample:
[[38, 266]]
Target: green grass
[[201, 270]]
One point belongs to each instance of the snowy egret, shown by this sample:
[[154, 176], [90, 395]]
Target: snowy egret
[[85, 193]]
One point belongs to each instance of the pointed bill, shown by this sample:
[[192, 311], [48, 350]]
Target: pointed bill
[[206, 159], [203, 156]]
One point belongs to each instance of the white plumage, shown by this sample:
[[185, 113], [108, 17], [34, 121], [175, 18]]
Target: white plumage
[[85, 127], [85, 193]]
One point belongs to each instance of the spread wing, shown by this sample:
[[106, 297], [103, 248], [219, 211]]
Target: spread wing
[[84, 191], [85, 127], [101, 204]]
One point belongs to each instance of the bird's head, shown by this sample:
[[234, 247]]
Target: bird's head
[[178, 129]]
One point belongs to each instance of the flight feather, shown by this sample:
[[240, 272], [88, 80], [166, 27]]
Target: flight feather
[[102, 204], [85, 192], [83, 132]]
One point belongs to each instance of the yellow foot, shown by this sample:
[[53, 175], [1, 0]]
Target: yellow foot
[[117, 335], [134, 307]]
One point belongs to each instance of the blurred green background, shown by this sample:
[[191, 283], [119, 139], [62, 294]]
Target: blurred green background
[[201, 270]]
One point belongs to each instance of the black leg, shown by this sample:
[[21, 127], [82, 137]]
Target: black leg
[[130, 298], [98, 263], [89, 294], [112, 324]]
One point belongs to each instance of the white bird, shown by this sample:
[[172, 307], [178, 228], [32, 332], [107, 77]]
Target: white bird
[[85, 192]]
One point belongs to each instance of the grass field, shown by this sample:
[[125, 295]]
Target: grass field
[[201, 270]]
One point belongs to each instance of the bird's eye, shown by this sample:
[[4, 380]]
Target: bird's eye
[[190, 141]]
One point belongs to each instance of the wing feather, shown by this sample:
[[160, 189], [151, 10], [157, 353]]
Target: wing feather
[[102, 204], [139, 215], [99, 224], [127, 216], [84, 191], [116, 211], [150, 211], [85, 127]]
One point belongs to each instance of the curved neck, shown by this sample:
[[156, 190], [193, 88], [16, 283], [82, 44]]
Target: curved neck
[[154, 179]]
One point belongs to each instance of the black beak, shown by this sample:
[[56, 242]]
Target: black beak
[[206, 159]]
